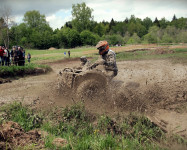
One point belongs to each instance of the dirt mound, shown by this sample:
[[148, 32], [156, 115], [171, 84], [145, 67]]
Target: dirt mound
[[51, 48], [12, 135]]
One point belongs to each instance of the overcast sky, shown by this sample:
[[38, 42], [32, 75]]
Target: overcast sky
[[58, 12]]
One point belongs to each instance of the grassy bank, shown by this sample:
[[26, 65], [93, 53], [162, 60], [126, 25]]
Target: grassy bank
[[28, 69], [82, 130]]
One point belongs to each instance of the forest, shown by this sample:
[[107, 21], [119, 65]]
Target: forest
[[35, 32]]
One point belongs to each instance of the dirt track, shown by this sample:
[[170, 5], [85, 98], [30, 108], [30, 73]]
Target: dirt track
[[157, 88]]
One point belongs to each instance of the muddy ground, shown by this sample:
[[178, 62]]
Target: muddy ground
[[157, 88]]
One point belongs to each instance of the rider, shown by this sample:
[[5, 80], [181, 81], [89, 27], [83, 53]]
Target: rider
[[84, 63], [108, 58]]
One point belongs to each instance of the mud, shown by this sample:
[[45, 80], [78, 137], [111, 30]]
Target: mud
[[4, 80], [12, 136], [156, 88]]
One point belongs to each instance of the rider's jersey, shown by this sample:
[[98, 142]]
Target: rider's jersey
[[110, 61]]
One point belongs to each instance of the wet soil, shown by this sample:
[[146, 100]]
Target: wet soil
[[157, 88]]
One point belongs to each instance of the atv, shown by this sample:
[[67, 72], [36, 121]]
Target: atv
[[88, 84]]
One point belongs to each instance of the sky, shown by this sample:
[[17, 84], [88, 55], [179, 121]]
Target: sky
[[58, 12]]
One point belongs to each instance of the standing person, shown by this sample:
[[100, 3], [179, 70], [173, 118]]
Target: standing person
[[20, 56], [12, 55], [29, 57], [69, 53], [1, 55], [108, 59], [8, 58], [5, 56], [64, 53], [23, 57], [15, 55]]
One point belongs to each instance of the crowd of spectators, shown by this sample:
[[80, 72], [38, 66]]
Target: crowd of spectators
[[14, 57]]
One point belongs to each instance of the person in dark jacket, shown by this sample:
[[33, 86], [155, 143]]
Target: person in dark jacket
[[15, 56], [1, 55], [20, 56]]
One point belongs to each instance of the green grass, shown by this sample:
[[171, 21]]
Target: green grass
[[83, 130], [58, 54], [38, 56]]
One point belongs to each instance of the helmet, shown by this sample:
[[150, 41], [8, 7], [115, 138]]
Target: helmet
[[102, 46], [83, 59]]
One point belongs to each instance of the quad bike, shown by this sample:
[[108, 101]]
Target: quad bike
[[88, 84]]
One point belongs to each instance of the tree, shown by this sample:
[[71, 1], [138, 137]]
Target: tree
[[112, 23], [147, 22], [132, 28], [40, 33], [156, 22], [126, 37], [99, 29], [6, 23], [68, 24], [82, 17], [174, 18], [120, 28], [153, 35], [126, 20], [67, 38], [34, 19], [132, 19], [163, 23]]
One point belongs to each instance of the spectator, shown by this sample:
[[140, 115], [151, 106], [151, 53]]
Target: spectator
[[12, 55], [15, 56], [1, 56], [8, 58], [69, 53], [29, 57], [20, 56], [5, 56], [23, 57]]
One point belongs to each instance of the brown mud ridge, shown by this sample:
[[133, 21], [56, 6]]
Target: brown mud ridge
[[4, 80], [156, 88], [12, 135]]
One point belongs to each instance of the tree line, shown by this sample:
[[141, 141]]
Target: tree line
[[35, 32]]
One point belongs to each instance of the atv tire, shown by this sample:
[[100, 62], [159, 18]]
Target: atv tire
[[90, 85]]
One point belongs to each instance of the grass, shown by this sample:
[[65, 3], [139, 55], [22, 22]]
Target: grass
[[58, 54], [83, 130], [178, 55], [123, 53], [12, 71], [25, 117]]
